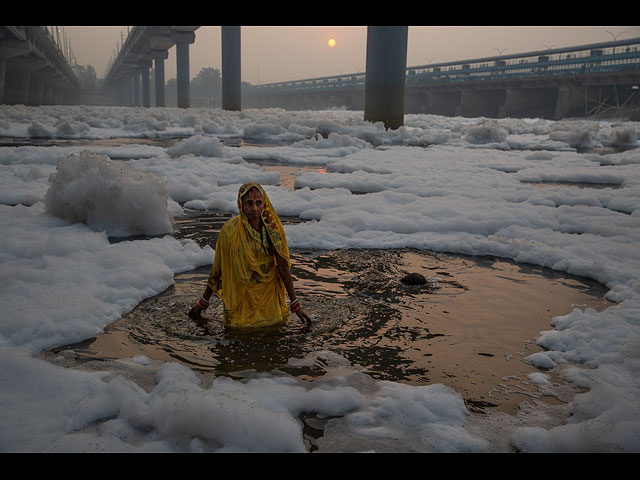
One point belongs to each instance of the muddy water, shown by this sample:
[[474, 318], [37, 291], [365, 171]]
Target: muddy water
[[469, 327]]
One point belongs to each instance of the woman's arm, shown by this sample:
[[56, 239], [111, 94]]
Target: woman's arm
[[196, 312], [285, 274]]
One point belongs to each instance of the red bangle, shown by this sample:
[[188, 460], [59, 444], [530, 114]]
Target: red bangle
[[203, 304]]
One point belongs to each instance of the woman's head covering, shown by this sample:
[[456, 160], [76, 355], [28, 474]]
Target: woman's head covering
[[270, 220]]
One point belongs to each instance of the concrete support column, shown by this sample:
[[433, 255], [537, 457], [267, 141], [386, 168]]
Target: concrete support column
[[17, 87], [119, 93], [231, 61], [481, 103], [386, 65], [570, 102], [124, 91], [8, 50], [144, 76], [136, 89], [47, 93], [18, 79], [56, 94], [182, 41], [36, 88], [529, 102], [159, 56], [131, 87], [128, 85], [443, 103], [61, 95], [3, 69]]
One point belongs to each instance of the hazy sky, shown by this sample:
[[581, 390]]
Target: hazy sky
[[272, 54]]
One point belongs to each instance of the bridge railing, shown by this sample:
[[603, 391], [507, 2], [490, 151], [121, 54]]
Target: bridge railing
[[586, 59]]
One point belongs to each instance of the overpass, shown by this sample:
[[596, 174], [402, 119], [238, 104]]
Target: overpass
[[128, 76], [554, 83], [34, 72], [145, 46], [33, 69]]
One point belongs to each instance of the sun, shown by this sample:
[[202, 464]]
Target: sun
[[332, 42]]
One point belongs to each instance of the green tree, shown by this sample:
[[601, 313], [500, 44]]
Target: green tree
[[207, 82], [87, 76]]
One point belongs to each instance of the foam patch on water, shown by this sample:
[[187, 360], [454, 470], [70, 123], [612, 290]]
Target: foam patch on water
[[109, 195]]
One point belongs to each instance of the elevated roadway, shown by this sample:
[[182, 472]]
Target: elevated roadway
[[554, 83], [33, 69], [144, 47]]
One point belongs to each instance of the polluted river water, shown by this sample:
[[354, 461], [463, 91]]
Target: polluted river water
[[468, 327]]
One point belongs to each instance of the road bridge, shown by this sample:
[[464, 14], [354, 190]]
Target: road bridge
[[554, 83], [128, 76], [145, 46], [33, 69]]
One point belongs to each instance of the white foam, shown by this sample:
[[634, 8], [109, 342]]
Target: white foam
[[441, 183]]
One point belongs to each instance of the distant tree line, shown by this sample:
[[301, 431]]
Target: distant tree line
[[87, 77], [207, 82], [205, 88]]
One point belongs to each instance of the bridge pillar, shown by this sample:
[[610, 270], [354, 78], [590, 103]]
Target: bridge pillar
[[529, 102], [18, 79], [145, 65], [570, 102], [159, 56], [443, 103], [56, 93], [8, 50], [3, 69], [123, 87], [136, 89], [386, 65], [47, 93], [61, 94], [36, 88], [231, 61], [481, 103], [127, 90], [117, 93], [130, 82], [182, 41]]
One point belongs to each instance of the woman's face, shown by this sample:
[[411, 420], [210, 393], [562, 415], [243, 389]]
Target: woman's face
[[253, 204]]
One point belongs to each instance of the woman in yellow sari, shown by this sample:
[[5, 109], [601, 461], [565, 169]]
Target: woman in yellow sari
[[252, 268]]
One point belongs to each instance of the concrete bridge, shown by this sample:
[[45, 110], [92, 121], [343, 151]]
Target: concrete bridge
[[555, 83], [34, 72], [33, 69], [147, 46], [128, 76]]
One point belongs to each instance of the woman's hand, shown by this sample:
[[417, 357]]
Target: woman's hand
[[304, 318], [195, 314]]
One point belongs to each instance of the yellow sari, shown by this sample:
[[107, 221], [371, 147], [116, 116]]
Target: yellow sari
[[244, 273]]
